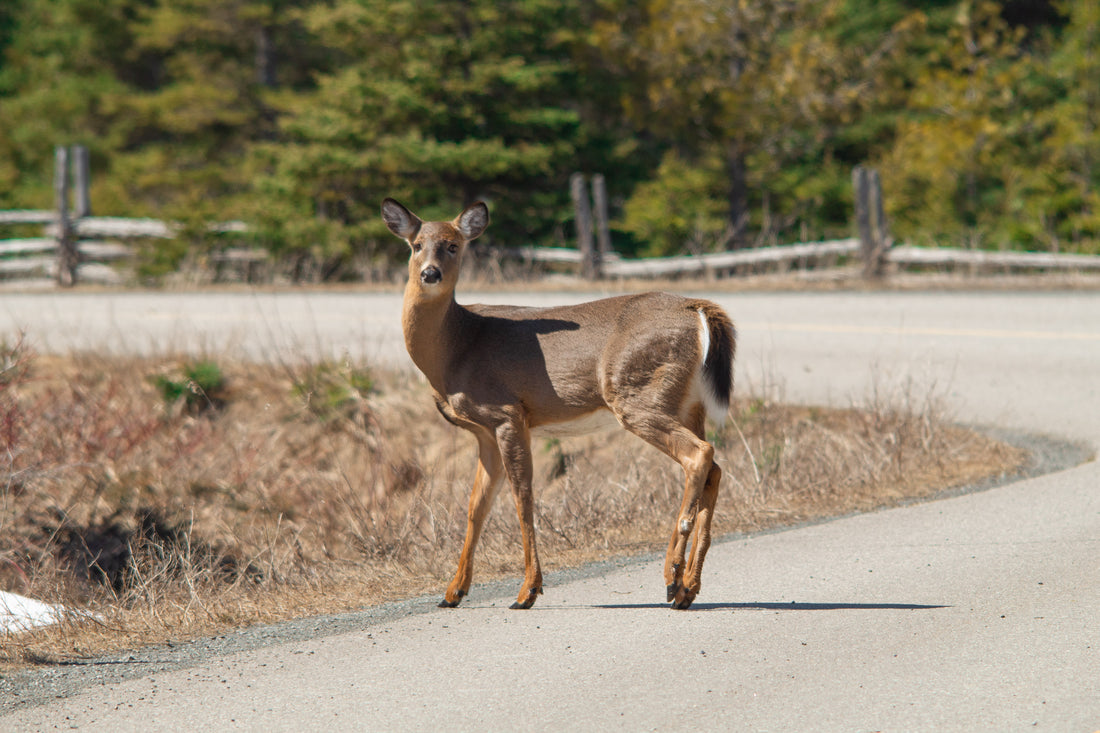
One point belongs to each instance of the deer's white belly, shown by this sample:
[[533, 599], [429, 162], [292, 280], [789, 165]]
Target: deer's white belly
[[594, 422]]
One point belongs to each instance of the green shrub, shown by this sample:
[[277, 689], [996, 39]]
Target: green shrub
[[333, 390], [200, 388]]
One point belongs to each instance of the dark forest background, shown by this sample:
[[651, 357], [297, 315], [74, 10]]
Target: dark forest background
[[717, 125]]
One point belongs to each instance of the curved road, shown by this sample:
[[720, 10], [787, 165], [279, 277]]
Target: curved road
[[980, 612]]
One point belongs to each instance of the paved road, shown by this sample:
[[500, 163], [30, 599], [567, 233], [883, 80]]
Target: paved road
[[980, 612]]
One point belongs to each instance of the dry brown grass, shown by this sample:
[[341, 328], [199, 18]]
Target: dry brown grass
[[320, 487]]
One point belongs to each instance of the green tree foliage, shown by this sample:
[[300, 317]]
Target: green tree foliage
[[61, 74], [682, 209], [766, 100], [168, 96], [453, 101], [716, 123], [707, 84], [995, 147], [1066, 202], [969, 122]]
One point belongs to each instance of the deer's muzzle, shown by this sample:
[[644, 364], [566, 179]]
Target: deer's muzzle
[[430, 275]]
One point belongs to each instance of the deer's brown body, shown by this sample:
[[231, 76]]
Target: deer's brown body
[[654, 363]]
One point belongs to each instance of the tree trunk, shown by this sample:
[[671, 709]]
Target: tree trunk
[[738, 196], [265, 58]]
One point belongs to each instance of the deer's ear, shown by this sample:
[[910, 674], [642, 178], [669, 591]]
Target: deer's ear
[[400, 220], [472, 222]]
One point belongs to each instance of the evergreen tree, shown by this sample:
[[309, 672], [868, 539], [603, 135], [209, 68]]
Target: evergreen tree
[[438, 103], [215, 69], [63, 72]]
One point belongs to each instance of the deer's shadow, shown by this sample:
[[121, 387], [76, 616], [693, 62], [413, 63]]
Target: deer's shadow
[[776, 606]]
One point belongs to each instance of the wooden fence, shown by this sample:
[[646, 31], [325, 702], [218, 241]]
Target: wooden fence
[[874, 248], [78, 247], [64, 253]]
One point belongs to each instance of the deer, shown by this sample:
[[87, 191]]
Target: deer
[[656, 364]]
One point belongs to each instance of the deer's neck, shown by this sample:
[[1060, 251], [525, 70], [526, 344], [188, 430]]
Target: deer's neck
[[431, 329]]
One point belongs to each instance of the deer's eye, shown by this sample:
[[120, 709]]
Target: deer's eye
[[416, 246], [452, 248]]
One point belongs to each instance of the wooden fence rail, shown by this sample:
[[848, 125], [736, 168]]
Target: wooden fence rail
[[28, 217], [908, 256], [723, 262], [816, 254]]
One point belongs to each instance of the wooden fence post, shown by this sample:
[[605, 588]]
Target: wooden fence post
[[81, 182], [603, 228], [66, 242], [871, 221], [590, 257]]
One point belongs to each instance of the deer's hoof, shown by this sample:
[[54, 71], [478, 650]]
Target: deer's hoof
[[527, 602], [452, 604], [683, 599]]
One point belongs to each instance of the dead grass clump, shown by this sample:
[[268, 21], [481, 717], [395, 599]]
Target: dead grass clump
[[322, 487]]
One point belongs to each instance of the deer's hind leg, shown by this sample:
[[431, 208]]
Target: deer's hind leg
[[700, 541], [682, 592], [490, 470], [684, 444]]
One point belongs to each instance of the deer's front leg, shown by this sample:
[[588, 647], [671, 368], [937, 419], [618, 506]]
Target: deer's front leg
[[515, 449], [486, 482]]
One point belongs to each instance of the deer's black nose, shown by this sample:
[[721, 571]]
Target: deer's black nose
[[430, 275]]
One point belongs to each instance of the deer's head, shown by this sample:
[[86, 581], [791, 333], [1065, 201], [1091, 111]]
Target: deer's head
[[437, 246]]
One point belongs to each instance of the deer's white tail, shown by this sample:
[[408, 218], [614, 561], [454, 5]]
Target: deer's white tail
[[718, 339]]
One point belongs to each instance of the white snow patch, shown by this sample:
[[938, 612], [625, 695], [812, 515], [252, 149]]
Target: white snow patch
[[18, 613]]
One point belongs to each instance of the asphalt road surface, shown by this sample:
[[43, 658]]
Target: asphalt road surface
[[979, 612]]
